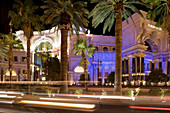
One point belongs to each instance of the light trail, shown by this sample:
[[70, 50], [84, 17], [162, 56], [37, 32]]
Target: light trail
[[6, 102], [71, 105], [97, 96], [11, 92], [150, 108], [6, 96]]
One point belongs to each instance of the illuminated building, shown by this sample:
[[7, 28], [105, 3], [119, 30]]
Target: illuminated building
[[145, 47]]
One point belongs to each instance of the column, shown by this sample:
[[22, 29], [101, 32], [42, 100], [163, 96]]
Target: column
[[103, 76], [155, 64], [95, 77], [150, 65], [19, 74], [130, 68], [71, 77], [32, 76], [136, 64], [92, 74], [164, 66]]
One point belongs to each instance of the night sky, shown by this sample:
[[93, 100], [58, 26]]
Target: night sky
[[6, 5]]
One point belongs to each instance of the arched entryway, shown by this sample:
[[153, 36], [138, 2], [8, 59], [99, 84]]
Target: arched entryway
[[41, 53]]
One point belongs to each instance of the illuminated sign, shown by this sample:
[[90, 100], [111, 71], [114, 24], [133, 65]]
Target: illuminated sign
[[152, 26]]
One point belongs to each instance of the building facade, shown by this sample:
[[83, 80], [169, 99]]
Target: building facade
[[145, 47]]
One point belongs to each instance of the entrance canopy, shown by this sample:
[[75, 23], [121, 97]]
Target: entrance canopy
[[79, 69], [13, 73]]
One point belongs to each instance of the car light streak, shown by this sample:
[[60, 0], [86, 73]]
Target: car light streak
[[6, 102], [150, 108], [6, 96], [72, 105], [11, 92], [98, 96]]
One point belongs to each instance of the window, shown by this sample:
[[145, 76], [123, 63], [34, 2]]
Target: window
[[24, 59], [15, 58], [113, 49], [24, 71], [96, 48], [105, 49]]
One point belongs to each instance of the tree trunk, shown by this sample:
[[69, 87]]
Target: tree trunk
[[85, 70], [64, 61], [2, 73], [118, 55], [10, 62], [28, 58]]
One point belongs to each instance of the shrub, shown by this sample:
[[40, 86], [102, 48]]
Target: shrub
[[110, 78], [79, 91], [129, 92], [104, 92], [155, 92], [157, 75]]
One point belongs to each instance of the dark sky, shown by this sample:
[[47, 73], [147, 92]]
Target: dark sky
[[6, 5]]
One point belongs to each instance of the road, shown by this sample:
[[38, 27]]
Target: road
[[14, 102], [6, 108]]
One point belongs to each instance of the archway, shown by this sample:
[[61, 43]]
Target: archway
[[43, 51], [152, 45]]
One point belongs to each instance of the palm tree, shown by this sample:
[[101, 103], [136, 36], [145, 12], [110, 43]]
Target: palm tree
[[161, 12], [81, 48], [11, 43], [64, 14], [23, 16], [108, 11], [3, 50]]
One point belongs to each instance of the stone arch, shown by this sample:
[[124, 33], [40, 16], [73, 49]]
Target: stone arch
[[76, 65], [40, 40], [153, 43], [105, 48]]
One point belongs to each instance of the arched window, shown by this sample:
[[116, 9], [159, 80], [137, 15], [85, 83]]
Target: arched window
[[105, 49], [113, 49], [96, 48]]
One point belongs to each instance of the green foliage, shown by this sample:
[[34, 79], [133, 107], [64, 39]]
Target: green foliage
[[156, 92], [79, 91], [49, 91], [3, 50], [110, 78], [56, 12], [82, 77], [129, 92], [10, 42], [157, 75], [137, 91], [160, 11], [105, 11], [81, 47], [23, 16], [104, 92]]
